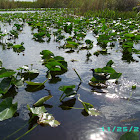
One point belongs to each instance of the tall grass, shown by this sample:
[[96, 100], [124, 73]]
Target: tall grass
[[84, 5], [120, 5], [112, 14]]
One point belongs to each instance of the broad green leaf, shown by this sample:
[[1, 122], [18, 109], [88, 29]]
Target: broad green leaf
[[7, 109], [115, 75], [64, 88], [89, 108], [42, 100], [54, 66], [47, 119], [37, 110], [34, 83], [4, 85], [6, 72], [70, 46], [137, 37], [108, 70], [53, 63], [6, 103], [109, 63], [18, 48], [129, 35], [98, 70], [68, 91], [47, 54], [73, 43], [130, 136]]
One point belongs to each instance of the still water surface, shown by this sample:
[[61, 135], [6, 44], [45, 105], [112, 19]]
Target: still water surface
[[115, 109]]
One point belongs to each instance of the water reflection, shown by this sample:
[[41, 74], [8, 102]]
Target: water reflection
[[99, 134]]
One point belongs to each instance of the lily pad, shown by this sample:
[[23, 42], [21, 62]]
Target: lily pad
[[89, 108], [4, 85], [109, 63], [18, 48], [42, 100], [34, 83], [68, 91], [7, 109], [53, 63], [6, 72], [37, 110], [47, 54]]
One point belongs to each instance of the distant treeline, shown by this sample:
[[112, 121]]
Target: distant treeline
[[83, 5]]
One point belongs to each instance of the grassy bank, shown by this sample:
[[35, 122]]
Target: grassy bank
[[83, 5], [90, 8]]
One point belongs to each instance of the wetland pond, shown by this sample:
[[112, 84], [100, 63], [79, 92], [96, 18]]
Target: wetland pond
[[50, 54]]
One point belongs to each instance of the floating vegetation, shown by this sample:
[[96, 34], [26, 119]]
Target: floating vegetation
[[91, 37], [55, 64], [7, 109], [18, 48], [101, 75]]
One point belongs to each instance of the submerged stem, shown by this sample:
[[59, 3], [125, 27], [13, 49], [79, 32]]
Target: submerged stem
[[15, 132], [27, 132]]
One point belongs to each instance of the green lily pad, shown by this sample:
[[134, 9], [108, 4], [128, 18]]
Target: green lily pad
[[53, 63], [109, 63], [18, 48], [129, 35], [6, 72], [89, 108], [4, 85], [68, 91], [71, 44], [47, 54], [7, 109], [37, 110], [34, 83], [42, 100]]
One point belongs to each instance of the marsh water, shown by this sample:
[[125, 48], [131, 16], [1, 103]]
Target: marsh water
[[118, 103]]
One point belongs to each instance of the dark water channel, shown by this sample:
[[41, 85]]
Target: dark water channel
[[116, 109]]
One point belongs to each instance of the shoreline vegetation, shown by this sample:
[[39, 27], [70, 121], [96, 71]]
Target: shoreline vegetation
[[82, 5], [113, 9]]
